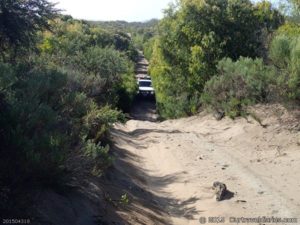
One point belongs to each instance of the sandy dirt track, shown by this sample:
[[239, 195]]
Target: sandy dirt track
[[167, 170], [180, 159]]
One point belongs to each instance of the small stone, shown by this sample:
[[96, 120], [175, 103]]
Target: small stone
[[219, 115], [220, 189]]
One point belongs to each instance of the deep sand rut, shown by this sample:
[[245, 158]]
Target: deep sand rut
[[180, 160]]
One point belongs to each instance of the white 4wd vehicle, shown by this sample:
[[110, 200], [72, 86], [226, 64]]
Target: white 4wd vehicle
[[145, 87]]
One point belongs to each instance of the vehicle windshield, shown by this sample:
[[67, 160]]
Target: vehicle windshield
[[145, 84]]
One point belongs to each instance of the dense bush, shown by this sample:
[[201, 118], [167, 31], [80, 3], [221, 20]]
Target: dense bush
[[289, 29], [285, 55], [34, 132], [42, 119], [101, 61], [148, 48], [63, 97], [20, 20], [98, 122], [237, 85], [126, 90], [194, 36]]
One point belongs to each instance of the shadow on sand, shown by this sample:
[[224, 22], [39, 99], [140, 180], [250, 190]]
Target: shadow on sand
[[128, 177], [144, 108], [147, 207]]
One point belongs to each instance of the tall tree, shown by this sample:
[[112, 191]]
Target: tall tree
[[21, 19]]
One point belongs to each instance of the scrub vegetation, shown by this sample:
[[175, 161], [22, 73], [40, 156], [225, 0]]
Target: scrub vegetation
[[224, 55], [65, 82]]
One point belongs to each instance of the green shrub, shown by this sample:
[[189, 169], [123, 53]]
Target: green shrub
[[285, 55], [7, 77], [237, 85], [44, 113], [194, 36], [289, 29], [98, 122], [126, 91], [148, 48], [33, 147], [280, 51], [54, 98], [100, 156]]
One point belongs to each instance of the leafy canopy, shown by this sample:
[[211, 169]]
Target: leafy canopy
[[21, 19]]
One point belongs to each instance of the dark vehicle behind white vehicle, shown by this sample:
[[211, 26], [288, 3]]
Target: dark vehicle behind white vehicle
[[145, 87]]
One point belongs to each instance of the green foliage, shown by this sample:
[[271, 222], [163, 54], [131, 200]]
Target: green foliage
[[125, 26], [291, 8], [268, 16], [124, 199], [63, 96], [285, 55], [20, 20], [99, 155], [237, 85], [148, 48], [98, 122], [144, 37], [289, 29], [7, 76], [126, 90], [95, 150], [34, 143], [194, 36], [140, 32], [280, 51], [102, 61]]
